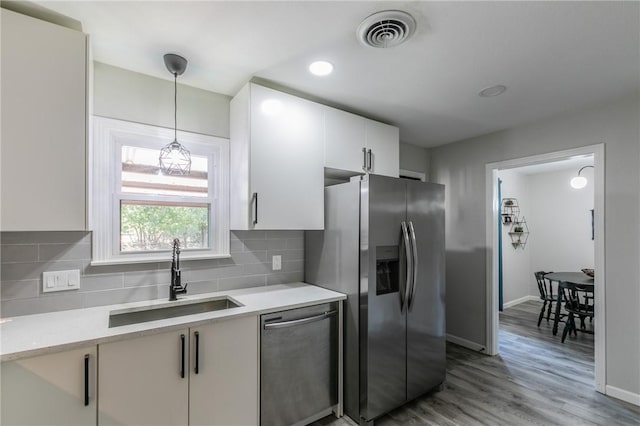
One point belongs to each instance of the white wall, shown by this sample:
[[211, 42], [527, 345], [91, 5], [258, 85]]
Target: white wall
[[561, 218], [461, 168], [515, 261]]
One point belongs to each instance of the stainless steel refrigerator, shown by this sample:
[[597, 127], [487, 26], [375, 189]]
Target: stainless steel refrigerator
[[383, 245]]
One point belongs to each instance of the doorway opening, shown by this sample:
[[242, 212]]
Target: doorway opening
[[536, 220]]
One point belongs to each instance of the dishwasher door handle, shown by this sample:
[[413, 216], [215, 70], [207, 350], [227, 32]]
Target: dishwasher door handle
[[301, 321]]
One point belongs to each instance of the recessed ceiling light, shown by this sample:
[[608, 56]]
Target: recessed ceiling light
[[321, 68], [492, 91]]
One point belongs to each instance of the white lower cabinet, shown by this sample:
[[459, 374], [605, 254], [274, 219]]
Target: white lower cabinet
[[206, 375], [225, 389], [54, 389], [140, 380]]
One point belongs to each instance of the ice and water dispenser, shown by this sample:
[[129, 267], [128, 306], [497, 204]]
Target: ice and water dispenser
[[387, 269]]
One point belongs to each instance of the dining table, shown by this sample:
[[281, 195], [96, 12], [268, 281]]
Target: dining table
[[562, 277]]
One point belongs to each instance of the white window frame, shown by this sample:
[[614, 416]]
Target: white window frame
[[105, 195]]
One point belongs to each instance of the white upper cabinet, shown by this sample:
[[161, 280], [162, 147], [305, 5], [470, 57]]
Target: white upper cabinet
[[344, 141], [43, 170], [277, 161], [359, 145], [383, 148]]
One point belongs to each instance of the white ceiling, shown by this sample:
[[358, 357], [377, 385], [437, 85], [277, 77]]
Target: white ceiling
[[553, 56]]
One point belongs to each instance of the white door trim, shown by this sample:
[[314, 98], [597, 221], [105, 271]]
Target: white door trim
[[491, 215]]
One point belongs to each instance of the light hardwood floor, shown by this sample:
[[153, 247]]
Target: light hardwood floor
[[536, 380]]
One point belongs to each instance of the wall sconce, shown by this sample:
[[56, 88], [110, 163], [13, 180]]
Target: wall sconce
[[579, 182]]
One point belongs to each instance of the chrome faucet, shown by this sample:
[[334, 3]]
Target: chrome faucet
[[176, 287]]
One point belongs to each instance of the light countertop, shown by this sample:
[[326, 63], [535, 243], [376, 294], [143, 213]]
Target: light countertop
[[39, 334]]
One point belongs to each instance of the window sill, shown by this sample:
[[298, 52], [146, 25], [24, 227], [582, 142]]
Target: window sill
[[157, 259]]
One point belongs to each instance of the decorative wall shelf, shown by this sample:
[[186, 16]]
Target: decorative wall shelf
[[509, 211], [519, 233]]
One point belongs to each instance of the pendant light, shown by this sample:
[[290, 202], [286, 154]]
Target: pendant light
[[175, 159], [579, 182]]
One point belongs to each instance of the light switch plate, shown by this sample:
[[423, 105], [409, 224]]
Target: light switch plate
[[276, 262], [60, 280]]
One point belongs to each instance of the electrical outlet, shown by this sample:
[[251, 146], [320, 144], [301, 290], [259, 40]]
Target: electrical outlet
[[276, 263], [60, 280]]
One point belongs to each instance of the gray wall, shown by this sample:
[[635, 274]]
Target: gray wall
[[131, 96], [414, 158], [461, 167], [25, 255]]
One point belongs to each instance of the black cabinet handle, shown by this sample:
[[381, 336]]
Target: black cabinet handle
[[182, 356], [369, 158], [255, 206], [86, 380], [196, 369]]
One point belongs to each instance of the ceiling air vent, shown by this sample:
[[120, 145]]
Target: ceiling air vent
[[386, 29]]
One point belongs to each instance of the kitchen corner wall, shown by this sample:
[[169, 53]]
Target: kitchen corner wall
[[25, 255], [131, 96]]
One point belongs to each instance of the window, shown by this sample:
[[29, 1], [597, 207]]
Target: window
[[136, 211]]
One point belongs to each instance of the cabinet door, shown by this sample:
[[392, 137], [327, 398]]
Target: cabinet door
[[224, 391], [384, 142], [43, 125], [140, 381], [50, 389], [344, 141], [287, 161]]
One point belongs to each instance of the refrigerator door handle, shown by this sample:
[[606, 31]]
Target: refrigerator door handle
[[404, 292], [414, 280]]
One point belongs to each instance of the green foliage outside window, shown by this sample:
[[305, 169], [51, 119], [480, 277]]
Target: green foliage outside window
[[153, 227]]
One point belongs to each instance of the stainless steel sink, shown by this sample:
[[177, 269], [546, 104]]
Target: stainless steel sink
[[117, 319]]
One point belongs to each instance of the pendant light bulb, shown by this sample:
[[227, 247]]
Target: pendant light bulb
[[174, 158], [579, 182]]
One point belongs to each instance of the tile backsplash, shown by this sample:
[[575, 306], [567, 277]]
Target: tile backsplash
[[24, 256]]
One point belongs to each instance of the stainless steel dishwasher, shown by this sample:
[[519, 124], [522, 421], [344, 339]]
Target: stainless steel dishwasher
[[298, 364]]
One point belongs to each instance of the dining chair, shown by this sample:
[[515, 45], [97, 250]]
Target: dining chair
[[546, 294], [578, 302]]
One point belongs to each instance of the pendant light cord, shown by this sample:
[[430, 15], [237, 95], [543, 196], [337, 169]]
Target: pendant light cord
[[175, 106]]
